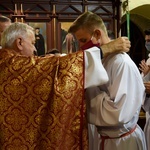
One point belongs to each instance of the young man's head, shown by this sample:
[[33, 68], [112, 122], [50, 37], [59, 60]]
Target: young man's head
[[89, 27], [147, 39], [19, 37], [4, 23]]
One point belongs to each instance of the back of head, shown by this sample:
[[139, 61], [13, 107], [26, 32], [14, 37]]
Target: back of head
[[89, 21], [14, 31]]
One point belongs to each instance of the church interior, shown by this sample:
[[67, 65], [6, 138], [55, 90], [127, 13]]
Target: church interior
[[54, 17]]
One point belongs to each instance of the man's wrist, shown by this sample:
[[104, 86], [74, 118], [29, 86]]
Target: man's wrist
[[106, 49]]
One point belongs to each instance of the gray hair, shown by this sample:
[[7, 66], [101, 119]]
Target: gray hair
[[14, 31]]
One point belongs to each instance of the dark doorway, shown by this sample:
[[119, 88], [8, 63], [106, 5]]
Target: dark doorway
[[138, 50]]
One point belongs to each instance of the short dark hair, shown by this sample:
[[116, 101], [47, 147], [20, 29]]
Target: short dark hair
[[88, 20], [147, 32], [4, 19]]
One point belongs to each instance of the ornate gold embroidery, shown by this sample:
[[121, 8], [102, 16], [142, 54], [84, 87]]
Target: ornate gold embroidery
[[41, 102]]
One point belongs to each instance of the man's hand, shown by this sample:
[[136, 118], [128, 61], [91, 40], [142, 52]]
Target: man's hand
[[144, 67], [121, 44]]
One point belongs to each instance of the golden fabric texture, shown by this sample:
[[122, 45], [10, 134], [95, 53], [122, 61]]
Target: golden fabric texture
[[42, 102]]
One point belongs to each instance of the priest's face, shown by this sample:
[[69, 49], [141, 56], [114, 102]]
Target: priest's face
[[28, 45]]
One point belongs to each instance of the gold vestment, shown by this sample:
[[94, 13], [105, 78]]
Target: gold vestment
[[42, 103]]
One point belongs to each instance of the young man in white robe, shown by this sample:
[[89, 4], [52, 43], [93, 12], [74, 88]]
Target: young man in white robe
[[113, 108]]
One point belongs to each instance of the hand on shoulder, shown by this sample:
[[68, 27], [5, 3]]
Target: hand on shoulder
[[121, 44]]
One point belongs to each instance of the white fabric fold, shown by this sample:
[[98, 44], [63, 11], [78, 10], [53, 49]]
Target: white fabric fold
[[95, 74]]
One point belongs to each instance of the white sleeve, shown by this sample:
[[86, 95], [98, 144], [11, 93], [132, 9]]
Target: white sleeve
[[95, 74], [124, 95]]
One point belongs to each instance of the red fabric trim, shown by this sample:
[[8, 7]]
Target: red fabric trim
[[83, 107], [107, 137]]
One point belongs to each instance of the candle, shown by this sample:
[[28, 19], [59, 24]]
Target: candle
[[22, 20], [15, 8], [21, 9]]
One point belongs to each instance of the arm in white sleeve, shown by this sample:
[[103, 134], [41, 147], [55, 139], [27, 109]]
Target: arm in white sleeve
[[95, 74], [123, 96]]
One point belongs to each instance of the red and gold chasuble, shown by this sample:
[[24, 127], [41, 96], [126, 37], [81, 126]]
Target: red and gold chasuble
[[42, 102]]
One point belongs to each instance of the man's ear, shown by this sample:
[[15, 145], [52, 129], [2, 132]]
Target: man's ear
[[97, 34], [19, 43]]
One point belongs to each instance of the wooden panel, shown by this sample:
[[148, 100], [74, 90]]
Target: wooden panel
[[57, 11]]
